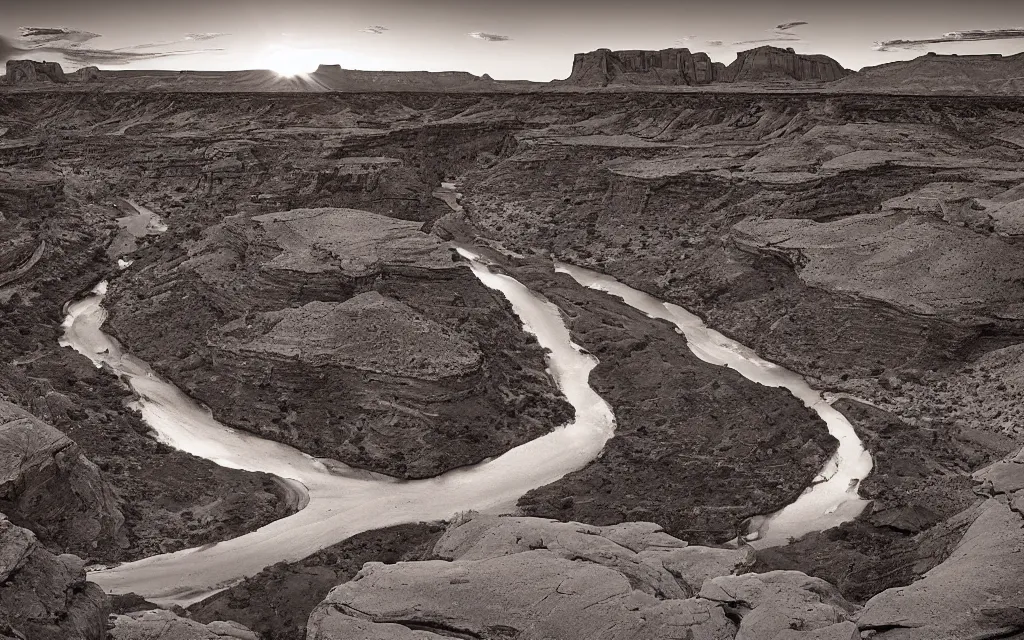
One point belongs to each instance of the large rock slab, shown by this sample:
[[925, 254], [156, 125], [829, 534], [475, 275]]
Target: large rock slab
[[165, 625], [532, 578], [360, 242], [369, 332], [911, 262], [43, 596], [976, 593], [48, 485]]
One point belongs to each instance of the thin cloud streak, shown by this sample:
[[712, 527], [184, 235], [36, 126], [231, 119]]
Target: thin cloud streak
[[67, 43], [46, 35], [489, 37], [970, 35], [375, 29], [781, 33]]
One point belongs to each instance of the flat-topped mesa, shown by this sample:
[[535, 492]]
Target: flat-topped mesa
[[23, 71], [666, 67], [334, 77], [670, 67], [774, 63]]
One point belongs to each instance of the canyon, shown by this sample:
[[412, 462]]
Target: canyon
[[289, 264]]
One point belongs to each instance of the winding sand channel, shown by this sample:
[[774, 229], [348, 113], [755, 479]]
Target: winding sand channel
[[833, 498], [341, 502]]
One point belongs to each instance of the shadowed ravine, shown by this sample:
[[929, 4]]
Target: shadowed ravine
[[343, 501]]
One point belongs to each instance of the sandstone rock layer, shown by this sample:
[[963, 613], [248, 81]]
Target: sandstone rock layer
[[531, 578]]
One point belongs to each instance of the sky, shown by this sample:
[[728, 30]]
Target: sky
[[512, 39]]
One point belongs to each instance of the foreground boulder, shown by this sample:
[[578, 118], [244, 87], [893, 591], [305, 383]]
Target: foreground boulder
[[535, 578], [165, 625], [43, 596], [977, 592], [49, 486]]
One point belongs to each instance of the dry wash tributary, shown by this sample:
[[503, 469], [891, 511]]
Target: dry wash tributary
[[340, 502]]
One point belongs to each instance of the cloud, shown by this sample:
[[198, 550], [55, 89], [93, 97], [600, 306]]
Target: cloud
[[781, 33], [970, 35], [376, 29], [209, 35], [714, 43], [489, 37], [67, 43], [46, 35], [118, 57]]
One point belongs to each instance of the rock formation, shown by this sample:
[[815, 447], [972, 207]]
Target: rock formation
[[43, 596], [164, 625], [681, 67], [49, 486], [332, 77], [977, 592], [347, 334], [26, 71], [773, 63], [85, 74], [666, 67], [531, 578], [991, 74]]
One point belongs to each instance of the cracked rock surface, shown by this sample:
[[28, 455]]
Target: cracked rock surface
[[978, 591], [49, 486], [44, 596], [534, 578], [164, 625]]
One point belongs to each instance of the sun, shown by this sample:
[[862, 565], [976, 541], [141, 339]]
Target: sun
[[288, 61]]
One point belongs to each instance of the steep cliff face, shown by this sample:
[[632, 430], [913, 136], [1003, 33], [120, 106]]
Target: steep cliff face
[[49, 486], [771, 63], [43, 596], [23, 71], [666, 67]]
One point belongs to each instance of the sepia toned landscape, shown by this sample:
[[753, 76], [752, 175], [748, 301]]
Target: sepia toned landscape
[[668, 348]]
